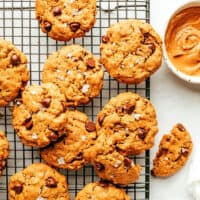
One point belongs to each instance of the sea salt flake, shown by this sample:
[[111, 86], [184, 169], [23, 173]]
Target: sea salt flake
[[140, 60], [117, 164], [69, 55], [166, 158], [136, 116], [83, 138], [126, 130], [34, 136], [85, 88], [69, 72], [61, 161], [33, 92]]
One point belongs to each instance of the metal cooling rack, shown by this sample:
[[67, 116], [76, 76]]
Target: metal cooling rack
[[18, 25]]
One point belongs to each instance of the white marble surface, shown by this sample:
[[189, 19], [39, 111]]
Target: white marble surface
[[175, 101]]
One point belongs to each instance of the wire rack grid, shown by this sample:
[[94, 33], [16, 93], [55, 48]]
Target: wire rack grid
[[18, 25]]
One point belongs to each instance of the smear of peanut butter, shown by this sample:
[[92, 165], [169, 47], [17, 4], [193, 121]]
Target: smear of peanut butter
[[182, 41]]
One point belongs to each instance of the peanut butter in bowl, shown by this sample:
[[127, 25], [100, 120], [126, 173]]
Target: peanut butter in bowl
[[182, 41]]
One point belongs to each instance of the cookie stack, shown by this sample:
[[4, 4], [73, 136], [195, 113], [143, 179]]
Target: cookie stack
[[45, 116]]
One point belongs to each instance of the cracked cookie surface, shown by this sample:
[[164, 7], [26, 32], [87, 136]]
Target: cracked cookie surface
[[4, 151], [39, 117], [38, 182], [131, 51], [174, 151], [101, 191], [69, 153], [129, 121], [77, 73], [14, 74], [66, 19]]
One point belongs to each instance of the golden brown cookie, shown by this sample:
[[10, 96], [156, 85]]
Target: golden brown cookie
[[76, 72], [38, 182], [13, 72], [110, 164], [131, 51], [69, 153], [39, 117], [101, 191], [4, 151], [66, 19], [129, 121], [174, 151]]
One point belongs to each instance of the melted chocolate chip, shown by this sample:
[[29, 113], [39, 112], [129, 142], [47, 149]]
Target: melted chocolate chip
[[90, 63], [74, 26], [90, 126], [64, 105], [105, 39], [127, 162], [28, 123], [53, 136], [142, 133], [46, 102], [152, 47], [57, 11], [99, 166], [18, 188], [129, 108], [101, 119], [47, 26], [51, 182], [15, 59], [180, 127]]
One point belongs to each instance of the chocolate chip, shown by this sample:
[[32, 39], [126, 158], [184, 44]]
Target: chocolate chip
[[103, 183], [57, 11], [152, 47], [180, 127], [74, 26], [15, 59], [46, 102], [79, 156], [129, 108], [64, 105], [99, 166], [101, 119], [18, 188], [141, 133], [105, 39], [28, 123], [90, 63], [127, 162], [162, 151], [47, 26], [90, 126], [51, 182], [184, 151], [53, 136]]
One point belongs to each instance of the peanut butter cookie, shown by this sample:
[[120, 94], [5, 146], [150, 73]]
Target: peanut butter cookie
[[76, 72], [13, 72], [131, 51], [66, 19], [69, 153], [101, 191], [38, 182], [174, 151], [4, 151], [39, 117]]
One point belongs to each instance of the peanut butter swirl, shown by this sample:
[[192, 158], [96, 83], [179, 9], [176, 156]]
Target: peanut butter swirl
[[182, 41]]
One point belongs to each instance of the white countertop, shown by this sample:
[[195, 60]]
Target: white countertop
[[175, 101]]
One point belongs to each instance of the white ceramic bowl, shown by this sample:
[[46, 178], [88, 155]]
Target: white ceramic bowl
[[188, 78]]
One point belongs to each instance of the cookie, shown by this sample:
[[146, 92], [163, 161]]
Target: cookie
[[77, 73], [129, 121], [69, 153], [38, 182], [111, 165], [101, 191], [4, 151], [14, 74], [131, 51], [64, 20], [39, 117], [174, 151]]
